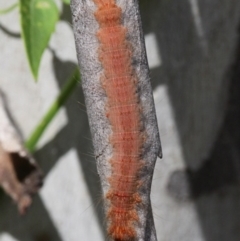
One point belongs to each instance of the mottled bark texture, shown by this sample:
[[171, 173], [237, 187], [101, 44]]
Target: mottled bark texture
[[20, 176], [87, 45]]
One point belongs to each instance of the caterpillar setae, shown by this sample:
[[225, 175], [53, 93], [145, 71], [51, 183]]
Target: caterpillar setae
[[115, 75]]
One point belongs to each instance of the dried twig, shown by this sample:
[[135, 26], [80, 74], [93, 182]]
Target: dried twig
[[20, 176]]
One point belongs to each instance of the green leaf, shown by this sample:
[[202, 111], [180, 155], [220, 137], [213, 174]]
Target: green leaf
[[38, 19], [66, 1]]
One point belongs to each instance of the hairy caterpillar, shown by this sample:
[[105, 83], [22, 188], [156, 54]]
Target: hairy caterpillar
[[121, 111]]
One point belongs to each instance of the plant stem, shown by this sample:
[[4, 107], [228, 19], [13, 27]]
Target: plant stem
[[9, 9], [54, 108]]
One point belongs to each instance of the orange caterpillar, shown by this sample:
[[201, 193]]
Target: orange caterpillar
[[124, 113]]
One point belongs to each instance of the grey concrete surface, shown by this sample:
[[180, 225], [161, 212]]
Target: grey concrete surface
[[195, 76]]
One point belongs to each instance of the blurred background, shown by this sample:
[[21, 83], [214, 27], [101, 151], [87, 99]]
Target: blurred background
[[193, 49]]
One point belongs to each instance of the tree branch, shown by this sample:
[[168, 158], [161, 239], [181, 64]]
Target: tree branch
[[97, 101]]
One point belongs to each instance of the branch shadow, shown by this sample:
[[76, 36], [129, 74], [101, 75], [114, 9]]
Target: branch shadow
[[9, 33], [203, 87]]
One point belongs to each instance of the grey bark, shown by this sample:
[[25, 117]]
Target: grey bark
[[85, 27]]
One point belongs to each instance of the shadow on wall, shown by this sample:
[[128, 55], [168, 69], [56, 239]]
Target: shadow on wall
[[201, 67]]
